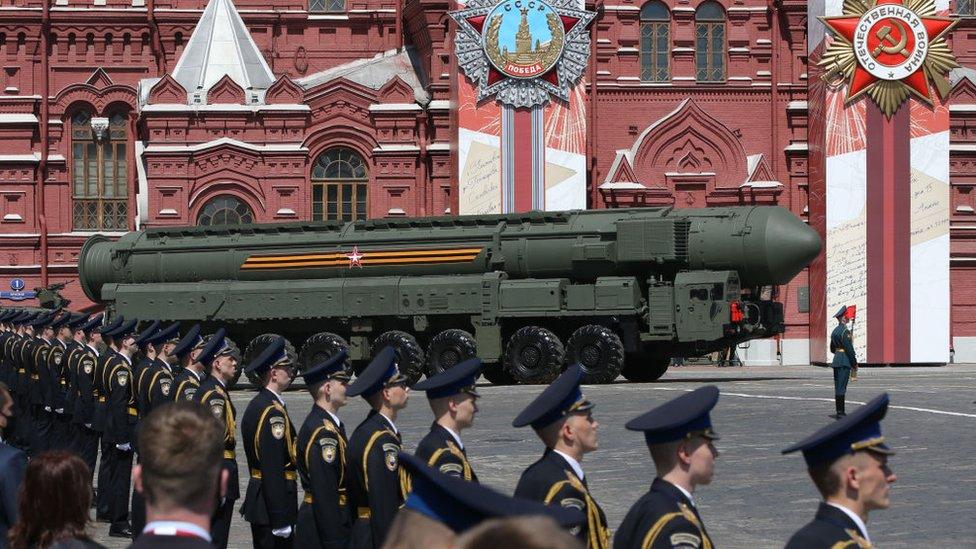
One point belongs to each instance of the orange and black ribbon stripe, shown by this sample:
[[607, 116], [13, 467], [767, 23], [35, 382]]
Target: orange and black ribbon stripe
[[369, 258]]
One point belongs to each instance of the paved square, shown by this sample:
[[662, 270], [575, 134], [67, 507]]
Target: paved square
[[759, 497]]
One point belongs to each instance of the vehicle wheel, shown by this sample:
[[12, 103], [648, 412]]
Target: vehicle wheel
[[496, 374], [644, 368], [321, 347], [409, 354], [534, 355], [449, 348], [599, 352], [259, 344]]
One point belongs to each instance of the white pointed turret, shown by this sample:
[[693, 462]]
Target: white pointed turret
[[220, 45]]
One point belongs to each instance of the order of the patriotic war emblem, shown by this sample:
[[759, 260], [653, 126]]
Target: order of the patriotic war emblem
[[522, 51], [889, 50]]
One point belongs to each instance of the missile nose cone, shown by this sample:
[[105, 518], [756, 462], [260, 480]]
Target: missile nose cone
[[791, 245]]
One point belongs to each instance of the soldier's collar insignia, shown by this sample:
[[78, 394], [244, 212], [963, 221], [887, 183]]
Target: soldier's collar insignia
[[890, 50]]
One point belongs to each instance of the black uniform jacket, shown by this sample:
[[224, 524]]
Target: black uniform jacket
[[100, 391], [662, 518], [376, 489], [323, 519], [82, 362], [552, 480], [187, 384], [830, 529], [441, 451], [214, 396], [158, 387], [269, 443], [58, 383], [121, 414]]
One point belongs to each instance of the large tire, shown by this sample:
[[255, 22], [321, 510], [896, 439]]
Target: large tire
[[643, 368], [321, 347], [496, 374], [599, 352], [409, 354], [534, 355], [449, 348], [259, 344]]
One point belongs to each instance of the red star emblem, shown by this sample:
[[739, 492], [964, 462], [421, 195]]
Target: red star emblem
[[887, 41], [355, 258]]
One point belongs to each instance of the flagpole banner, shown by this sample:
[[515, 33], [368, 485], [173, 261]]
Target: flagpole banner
[[885, 178], [522, 104]]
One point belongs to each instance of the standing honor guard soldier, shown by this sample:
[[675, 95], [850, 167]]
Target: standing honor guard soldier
[[848, 463], [563, 419], [143, 362], [100, 418], [453, 399], [120, 424], [219, 358], [376, 489], [323, 519], [38, 353], [679, 436], [191, 373], [75, 346], [159, 383], [842, 345], [271, 502], [82, 362], [61, 435]]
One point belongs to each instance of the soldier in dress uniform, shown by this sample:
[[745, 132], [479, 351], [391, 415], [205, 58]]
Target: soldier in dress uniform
[[159, 383], [271, 502], [324, 520], [679, 436], [143, 361], [82, 362], [452, 396], [153, 387], [191, 372], [61, 432], [120, 426], [75, 344], [37, 355], [563, 419], [437, 499], [376, 489], [842, 345], [848, 463], [100, 420], [219, 358], [22, 406]]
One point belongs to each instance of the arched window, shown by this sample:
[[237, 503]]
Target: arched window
[[710, 42], [327, 5], [340, 186], [99, 175], [966, 7], [655, 24], [225, 210]]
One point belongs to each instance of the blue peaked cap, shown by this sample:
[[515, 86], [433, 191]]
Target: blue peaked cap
[[859, 430], [557, 400], [457, 379], [679, 417]]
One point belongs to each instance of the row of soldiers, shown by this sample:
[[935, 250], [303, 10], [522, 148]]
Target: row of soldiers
[[354, 485]]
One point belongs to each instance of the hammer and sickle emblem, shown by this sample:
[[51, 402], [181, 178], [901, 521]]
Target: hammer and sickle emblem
[[888, 44]]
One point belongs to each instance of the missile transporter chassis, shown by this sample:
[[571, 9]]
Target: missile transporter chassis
[[619, 291]]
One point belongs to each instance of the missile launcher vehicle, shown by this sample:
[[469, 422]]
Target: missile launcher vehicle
[[619, 291]]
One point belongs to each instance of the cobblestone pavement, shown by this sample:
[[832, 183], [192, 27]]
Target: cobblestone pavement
[[759, 497]]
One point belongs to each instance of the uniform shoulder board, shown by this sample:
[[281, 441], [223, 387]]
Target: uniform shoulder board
[[683, 540]]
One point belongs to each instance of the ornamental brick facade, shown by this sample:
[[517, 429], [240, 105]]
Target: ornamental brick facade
[[101, 132]]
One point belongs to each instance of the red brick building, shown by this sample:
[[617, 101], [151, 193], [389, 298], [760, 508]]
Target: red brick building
[[121, 114]]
